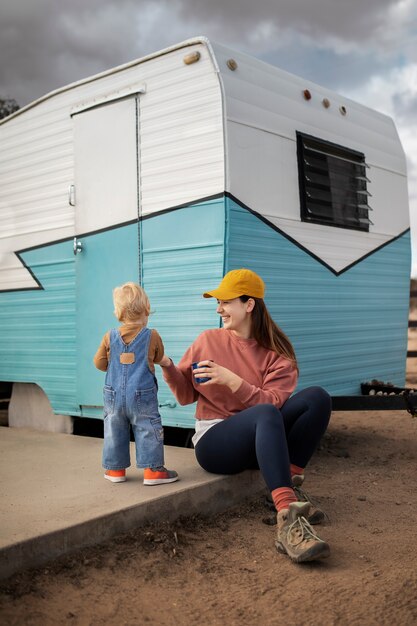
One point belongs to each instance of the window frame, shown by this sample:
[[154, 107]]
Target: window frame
[[357, 218]]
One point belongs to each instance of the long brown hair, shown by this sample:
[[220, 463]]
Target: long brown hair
[[267, 333]]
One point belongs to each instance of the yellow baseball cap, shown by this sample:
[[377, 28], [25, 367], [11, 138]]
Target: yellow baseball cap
[[237, 283]]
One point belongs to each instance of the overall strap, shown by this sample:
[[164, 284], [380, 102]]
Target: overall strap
[[115, 337], [143, 335], [118, 346]]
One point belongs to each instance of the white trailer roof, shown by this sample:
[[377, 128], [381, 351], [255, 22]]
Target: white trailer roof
[[262, 107]]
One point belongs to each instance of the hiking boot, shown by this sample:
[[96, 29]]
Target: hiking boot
[[316, 515], [295, 536], [116, 476], [158, 476]]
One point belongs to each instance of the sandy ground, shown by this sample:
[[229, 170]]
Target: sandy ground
[[226, 571]]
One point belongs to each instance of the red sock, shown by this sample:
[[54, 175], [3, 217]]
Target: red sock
[[296, 471], [282, 497]]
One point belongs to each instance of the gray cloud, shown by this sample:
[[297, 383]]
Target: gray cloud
[[306, 17], [49, 43], [405, 106], [45, 44], [326, 23]]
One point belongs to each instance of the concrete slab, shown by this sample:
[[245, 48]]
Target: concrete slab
[[55, 500]]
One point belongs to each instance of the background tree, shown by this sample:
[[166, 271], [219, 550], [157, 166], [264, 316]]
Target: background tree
[[7, 106]]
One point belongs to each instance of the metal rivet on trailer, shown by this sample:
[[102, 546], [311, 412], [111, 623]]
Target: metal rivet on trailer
[[326, 103], [307, 94], [342, 109], [231, 64], [193, 57]]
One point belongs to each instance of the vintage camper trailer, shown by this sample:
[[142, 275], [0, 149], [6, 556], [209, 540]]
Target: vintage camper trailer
[[172, 170]]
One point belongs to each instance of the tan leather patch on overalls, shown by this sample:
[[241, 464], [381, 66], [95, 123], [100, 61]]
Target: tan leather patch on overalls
[[127, 358]]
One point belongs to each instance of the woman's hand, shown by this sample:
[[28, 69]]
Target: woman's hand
[[165, 361], [218, 375]]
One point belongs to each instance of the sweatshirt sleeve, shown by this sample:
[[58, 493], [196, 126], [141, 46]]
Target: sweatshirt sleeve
[[179, 378], [156, 347], [279, 383], [102, 356]]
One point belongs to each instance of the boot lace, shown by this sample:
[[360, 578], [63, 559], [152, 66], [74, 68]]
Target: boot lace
[[302, 531]]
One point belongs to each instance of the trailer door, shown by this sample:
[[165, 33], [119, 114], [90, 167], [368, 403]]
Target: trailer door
[[105, 196]]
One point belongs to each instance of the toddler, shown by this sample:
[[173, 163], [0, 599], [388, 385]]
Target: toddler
[[127, 355]]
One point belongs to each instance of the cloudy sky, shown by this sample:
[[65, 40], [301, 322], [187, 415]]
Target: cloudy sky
[[363, 49]]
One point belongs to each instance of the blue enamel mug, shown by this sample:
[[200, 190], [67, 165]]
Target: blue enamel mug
[[199, 380]]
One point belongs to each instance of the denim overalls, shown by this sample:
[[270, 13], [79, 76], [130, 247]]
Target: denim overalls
[[130, 397]]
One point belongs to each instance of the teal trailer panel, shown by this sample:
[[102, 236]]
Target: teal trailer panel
[[49, 336], [183, 255], [38, 328], [346, 328], [108, 259]]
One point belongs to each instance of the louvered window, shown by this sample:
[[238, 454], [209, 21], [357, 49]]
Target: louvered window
[[333, 184]]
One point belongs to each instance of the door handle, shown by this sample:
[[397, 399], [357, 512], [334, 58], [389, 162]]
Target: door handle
[[169, 403], [77, 246], [71, 195]]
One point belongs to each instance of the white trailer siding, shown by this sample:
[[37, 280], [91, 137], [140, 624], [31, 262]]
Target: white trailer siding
[[181, 151], [264, 108], [36, 167]]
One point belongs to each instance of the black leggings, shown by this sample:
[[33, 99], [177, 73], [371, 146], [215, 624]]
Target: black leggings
[[266, 438]]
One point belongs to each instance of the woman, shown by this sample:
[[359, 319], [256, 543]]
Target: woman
[[245, 418]]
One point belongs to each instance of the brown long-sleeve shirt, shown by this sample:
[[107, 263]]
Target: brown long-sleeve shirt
[[128, 332]]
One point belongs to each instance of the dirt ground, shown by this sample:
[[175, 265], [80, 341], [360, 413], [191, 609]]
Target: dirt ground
[[226, 571]]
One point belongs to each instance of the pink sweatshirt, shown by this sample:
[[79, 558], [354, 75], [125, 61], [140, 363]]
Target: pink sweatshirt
[[267, 377]]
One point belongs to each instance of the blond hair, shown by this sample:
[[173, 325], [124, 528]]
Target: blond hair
[[130, 302]]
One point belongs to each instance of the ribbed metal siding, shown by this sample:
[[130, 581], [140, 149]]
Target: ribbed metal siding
[[181, 158], [181, 132], [35, 171], [37, 329], [346, 329], [181, 151], [183, 255], [260, 95], [108, 259], [264, 109]]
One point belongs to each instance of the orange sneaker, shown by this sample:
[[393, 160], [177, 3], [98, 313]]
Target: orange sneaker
[[116, 476], [158, 476]]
